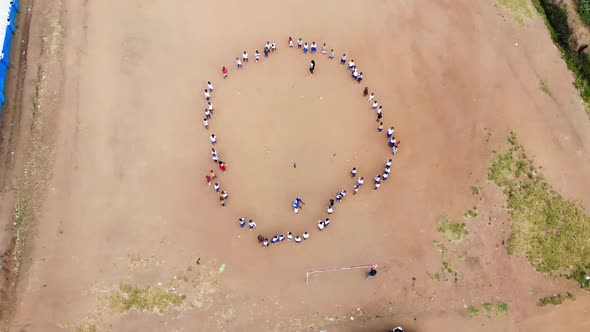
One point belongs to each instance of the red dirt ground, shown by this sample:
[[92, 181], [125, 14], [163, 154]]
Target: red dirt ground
[[131, 156]]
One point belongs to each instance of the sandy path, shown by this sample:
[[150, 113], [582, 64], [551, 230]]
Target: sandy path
[[132, 156]]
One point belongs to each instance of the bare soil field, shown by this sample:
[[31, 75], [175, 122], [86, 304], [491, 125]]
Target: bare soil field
[[124, 234]]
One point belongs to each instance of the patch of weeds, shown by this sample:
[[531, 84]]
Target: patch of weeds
[[435, 276], [556, 20], [447, 267], [441, 247], [24, 216], [87, 328], [501, 308], [496, 308], [581, 276], [519, 8], [475, 190], [145, 299], [556, 299], [473, 311], [137, 261], [471, 213], [455, 232], [444, 253], [544, 87], [551, 231], [583, 8]]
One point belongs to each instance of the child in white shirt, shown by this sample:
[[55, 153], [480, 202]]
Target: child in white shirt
[[390, 132], [351, 65], [321, 225]]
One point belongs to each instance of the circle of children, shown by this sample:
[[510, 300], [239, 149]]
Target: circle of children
[[298, 202]]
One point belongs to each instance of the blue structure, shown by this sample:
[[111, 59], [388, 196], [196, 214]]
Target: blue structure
[[9, 10]]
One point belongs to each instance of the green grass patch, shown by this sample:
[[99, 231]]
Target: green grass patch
[[441, 248], [556, 20], [455, 232], [570, 296], [583, 8], [520, 9], [556, 299], [145, 299], [475, 190], [444, 253], [87, 328], [473, 311], [496, 308], [551, 231], [471, 213], [544, 87]]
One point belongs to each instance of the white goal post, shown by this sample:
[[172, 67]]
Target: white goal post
[[309, 273]]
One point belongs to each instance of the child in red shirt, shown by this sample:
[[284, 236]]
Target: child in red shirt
[[208, 180], [224, 71], [222, 166]]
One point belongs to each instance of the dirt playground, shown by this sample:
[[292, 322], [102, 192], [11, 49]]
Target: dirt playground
[[120, 231]]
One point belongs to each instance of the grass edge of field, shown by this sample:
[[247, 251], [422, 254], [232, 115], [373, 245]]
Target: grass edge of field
[[551, 231]]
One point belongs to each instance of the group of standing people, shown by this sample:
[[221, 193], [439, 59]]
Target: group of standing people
[[298, 203], [223, 195], [269, 47]]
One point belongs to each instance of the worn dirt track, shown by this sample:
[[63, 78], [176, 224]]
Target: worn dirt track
[[131, 156]]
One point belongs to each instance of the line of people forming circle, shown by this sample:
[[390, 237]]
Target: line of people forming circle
[[298, 203]]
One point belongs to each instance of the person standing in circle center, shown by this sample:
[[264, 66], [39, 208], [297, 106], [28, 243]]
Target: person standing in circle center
[[297, 204], [312, 66]]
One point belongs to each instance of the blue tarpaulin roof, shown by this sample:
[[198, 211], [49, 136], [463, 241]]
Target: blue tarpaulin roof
[[8, 11]]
